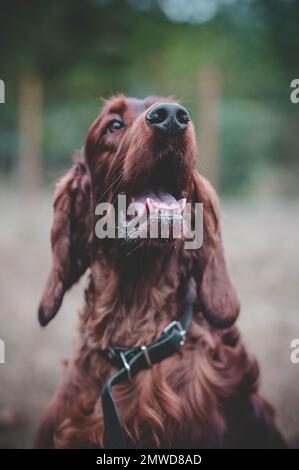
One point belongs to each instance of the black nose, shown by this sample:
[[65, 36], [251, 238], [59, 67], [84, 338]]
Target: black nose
[[169, 118]]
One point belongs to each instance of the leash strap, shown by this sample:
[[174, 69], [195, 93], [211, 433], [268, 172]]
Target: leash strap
[[133, 360]]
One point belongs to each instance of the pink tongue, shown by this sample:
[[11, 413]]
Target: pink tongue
[[159, 199]]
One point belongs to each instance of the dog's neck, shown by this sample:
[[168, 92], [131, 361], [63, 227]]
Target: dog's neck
[[133, 297]]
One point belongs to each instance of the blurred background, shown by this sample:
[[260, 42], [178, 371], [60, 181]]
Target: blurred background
[[230, 62]]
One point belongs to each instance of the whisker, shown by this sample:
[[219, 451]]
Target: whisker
[[135, 248]]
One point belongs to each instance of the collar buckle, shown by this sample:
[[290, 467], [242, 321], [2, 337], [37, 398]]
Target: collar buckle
[[146, 355], [126, 365], [178, 325]]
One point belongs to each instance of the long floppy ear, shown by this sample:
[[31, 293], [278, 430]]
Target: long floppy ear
[[217, 296], [69, 239]]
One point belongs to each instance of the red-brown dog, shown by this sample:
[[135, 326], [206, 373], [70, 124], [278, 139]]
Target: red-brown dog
[[204, 393]]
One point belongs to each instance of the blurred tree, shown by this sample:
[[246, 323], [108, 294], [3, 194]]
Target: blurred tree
[[78, 49], [209, 95], [30, 104], [280, 18], [53, 40]]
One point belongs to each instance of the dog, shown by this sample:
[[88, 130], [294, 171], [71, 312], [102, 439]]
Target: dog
[[201, 391]]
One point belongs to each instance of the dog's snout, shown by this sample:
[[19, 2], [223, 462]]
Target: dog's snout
[[169, 118]]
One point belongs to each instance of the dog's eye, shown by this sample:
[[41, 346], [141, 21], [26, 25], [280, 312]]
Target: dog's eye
[[114, 125]]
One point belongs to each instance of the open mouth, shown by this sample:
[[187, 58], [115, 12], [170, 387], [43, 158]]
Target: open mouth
[[160, 204], [154, 214]]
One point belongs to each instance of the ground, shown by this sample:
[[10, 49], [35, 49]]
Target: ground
[[261, 246]]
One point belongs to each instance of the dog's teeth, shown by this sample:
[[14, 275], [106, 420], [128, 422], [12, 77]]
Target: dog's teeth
[[181, 206], [182, 203], [140, 209], [153, 209], [136, 209], [122, 218]]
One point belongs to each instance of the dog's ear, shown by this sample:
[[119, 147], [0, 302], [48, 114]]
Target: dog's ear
[[69, 239], [217, 297]]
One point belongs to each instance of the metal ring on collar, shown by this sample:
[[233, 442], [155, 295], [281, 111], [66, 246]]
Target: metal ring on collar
[[126, 365], [146, 355]]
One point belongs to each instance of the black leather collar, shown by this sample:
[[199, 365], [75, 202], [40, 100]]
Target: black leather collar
[[130, 361]]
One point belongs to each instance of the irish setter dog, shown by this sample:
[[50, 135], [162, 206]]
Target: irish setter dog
[[205, 395]]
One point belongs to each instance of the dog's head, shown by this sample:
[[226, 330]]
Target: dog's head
[[145, 150]]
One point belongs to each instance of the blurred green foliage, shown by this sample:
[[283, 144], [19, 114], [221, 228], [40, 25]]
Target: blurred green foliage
[[85, 50]]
